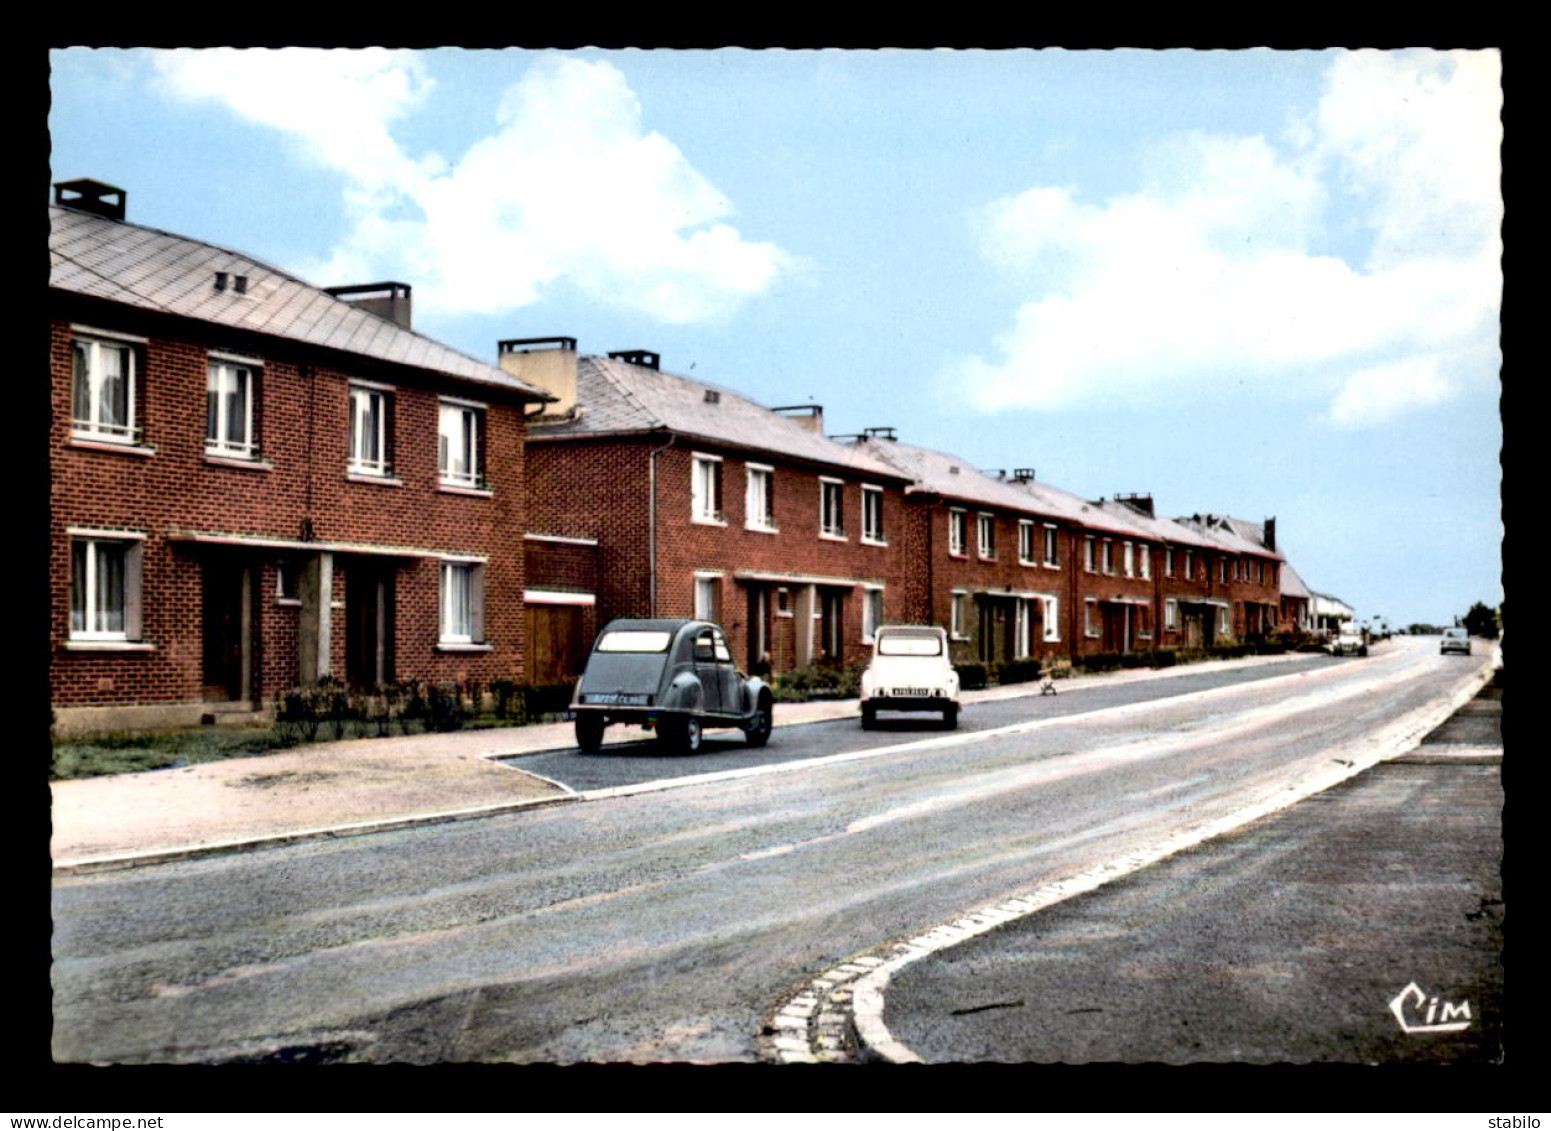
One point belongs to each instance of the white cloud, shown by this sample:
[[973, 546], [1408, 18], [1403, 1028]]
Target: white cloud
[[1235, 260], [569, 185]]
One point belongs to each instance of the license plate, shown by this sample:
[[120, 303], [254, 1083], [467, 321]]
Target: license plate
[[912, 692], [616, 699]]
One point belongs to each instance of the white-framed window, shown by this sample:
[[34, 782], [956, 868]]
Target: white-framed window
[[985, 535], [105, 587], [229, 393], [1090, 617], [463, 602], [1168, 563], [872, 515], [1144, 621], [1052, 620], [288, 581], [872, 610], [783, 603], [1109, 555], [1190, 565], [705, 489], [1224, 621], [1025, 541], [1087, 554], [957, 523], [1128, 559], [708, 597], [1052, 547], [832, 515], [1170, 614], [759, 497], [370, 407], [458, 442], [958, 609], [1144, 560], [1023, 629], [103, 397]]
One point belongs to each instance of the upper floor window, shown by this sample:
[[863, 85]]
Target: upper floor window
[[458, 443], [872, 515], [103, 398], [985, 535], [956, 531], [104, 588], [1168, 563], [759, 506], [1087, 554], [1109, 555], [229, 389], [1144, 560], [1025, 541], [706, 489], [1052, 547], [463, 602], [370, 408], [832, 523], [1190, 565], [1129, 559], [1224, 562]]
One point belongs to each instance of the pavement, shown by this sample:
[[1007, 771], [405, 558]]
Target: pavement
[[332, 789]]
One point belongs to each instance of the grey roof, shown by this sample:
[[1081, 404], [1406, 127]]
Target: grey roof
[[1236, 535], [1292, 584], [616, 397], [155, 270]]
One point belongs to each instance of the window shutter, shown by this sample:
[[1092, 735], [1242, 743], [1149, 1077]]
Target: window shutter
[[133, 572]]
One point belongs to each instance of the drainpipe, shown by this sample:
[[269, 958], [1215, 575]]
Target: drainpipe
[[651, 523]]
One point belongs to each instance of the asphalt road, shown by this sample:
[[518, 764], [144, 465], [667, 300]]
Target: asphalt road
[[662, 926]]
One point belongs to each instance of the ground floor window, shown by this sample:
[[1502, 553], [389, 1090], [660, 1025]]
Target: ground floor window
[[957, 607], [872, 611], [1052, 620], [104, 588], [706, 602], [463, 600]]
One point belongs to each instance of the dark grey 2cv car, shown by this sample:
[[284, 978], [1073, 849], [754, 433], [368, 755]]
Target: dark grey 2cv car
[[672, 676]]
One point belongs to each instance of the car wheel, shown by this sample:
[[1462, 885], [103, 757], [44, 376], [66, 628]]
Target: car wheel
[[689, 736], [589, 733], [869, 716], [759, 732], [950, 717]]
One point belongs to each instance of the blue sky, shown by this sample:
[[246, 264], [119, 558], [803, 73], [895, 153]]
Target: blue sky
[[1250, 282]]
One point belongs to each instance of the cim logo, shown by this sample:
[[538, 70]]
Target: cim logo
[[1418, 1013]]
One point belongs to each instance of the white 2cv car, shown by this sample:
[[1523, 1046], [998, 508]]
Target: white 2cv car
[[910, 671]]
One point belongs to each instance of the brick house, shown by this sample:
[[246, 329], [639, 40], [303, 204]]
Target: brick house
[[1244, 572], [1296, 598], [256, 483], [703, 503]]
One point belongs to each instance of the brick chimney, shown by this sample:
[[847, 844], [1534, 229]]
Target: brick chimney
[[549, 363], [1269, 536], [92, 196], [1141, 503], [385, 300], [810, 416]]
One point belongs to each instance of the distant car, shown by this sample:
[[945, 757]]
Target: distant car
[[1348, 642], [910, 671], [675, 677], [1454, 640]]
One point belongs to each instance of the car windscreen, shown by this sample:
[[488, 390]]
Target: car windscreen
[[635, 641], [890, 645]]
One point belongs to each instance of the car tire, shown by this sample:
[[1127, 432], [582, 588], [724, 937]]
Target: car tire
[[950, 717], [869, 716], [758, 733], [1363, 651], [589, 733], [690, 736]]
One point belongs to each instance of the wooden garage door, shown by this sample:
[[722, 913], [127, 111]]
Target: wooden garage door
[[557, 650]]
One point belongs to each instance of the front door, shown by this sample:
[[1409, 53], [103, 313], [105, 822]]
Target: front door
[[228, 630], [557, 651], [995, 629], [368, 623]]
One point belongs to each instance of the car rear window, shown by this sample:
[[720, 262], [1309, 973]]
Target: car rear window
[[634, 641], [890, 645]]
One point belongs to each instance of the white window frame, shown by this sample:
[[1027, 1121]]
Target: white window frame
[[1089, 554], [1190, 565], [958, 530], [462, 577], [469, 418], [222, 374], [872, 611], [985, 536], [1107, 553], [1144, 560], [362, 394], [1128, 558], [1023, 625], [1026, 542], [1052, 620], [759, 497], [1224, 620], [93, 427], [832, 510], [1168, 562], [1090, 607], [1170, 614], [958, 606], [872, 515], [1143, 621], [705, 490], [1052, 545], [708, 597], [131, 544]]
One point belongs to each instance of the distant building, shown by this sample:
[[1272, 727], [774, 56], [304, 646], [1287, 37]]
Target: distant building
[[257, 482]]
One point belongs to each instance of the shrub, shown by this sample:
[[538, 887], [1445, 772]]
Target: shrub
[[819, 681], [1164, 658], [1099, 662], [1018, 671], [972, 677]]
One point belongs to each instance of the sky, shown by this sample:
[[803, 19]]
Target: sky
[[1258, 283]]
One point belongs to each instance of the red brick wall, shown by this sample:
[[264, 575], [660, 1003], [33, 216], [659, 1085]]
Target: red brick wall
[[302, 425]]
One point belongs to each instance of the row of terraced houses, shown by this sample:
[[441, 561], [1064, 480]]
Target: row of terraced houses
[[257, 483]]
